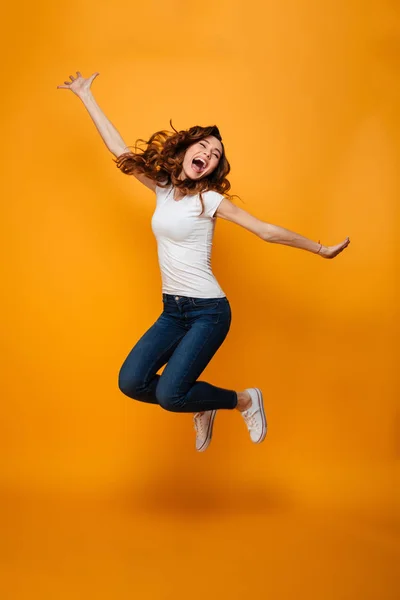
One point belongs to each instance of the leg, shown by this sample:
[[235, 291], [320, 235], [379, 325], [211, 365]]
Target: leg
[[177, 389], [137, 376], [244, 401]]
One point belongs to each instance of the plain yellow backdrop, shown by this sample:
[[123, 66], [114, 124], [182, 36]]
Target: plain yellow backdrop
[[307, 100]]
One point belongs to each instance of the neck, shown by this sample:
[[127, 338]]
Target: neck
[[178, 195]]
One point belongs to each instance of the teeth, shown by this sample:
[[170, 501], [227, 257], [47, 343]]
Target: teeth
[[202, 160]]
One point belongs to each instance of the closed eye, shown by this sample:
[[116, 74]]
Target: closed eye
[[204, 146]]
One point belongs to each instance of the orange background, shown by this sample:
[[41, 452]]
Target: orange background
[[105, 497]]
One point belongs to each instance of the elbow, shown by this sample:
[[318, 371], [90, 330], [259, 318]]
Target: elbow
[[273, 234], [266, 233]]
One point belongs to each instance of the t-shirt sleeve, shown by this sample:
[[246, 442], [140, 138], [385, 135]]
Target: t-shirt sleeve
[[211, 201]]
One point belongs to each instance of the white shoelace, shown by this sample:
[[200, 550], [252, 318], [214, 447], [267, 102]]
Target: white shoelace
[[198, 423], [250, 419]]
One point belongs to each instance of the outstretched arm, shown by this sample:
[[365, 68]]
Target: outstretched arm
[[274, 233], [81, 87], [109, 134], [280, 235]]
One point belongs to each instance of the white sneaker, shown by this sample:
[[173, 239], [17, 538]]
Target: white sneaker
[[203, 424], [254, 417]]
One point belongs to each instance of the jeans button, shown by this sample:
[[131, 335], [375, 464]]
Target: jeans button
[[176, 297]]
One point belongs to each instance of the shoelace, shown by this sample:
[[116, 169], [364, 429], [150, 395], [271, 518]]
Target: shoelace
[[198, 423], [250, 419]]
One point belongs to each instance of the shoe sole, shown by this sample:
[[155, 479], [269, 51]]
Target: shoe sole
[[264, 419], [207, 441]]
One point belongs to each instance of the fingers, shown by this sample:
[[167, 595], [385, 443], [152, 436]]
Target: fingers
[[341, 247], [68, 83], [73, 78], [335, 250], [344, 244]]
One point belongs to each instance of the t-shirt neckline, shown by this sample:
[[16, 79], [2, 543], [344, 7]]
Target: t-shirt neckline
[[172, 195]]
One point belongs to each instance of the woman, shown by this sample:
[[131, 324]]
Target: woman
[[187, 171]]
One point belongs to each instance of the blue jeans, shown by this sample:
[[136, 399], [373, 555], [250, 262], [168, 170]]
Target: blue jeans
[[186, 335]]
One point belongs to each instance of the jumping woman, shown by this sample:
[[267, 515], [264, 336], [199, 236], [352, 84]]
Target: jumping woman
[[187, 171]]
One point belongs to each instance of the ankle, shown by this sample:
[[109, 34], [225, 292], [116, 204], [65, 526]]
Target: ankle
[[243, 401]]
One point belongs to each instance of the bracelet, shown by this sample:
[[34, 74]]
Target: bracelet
[[320, 246]]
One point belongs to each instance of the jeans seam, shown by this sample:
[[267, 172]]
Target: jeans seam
[[159, 356], [194, 360]]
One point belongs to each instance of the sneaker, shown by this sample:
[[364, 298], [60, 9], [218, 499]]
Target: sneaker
[[203, 424], [254, 417]]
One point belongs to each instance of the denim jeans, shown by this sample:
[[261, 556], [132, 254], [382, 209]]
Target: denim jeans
[[186, 336]]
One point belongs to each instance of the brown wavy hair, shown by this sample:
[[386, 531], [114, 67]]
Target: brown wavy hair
[[162, 157]]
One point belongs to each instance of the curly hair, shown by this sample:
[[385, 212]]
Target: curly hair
[[162, 158]]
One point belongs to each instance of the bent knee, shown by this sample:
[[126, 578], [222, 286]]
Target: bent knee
[[169, 401], [129, 385]]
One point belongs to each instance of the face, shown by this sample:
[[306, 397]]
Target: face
[[201, 158]]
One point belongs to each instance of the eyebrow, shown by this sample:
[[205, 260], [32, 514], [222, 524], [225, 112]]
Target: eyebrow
[[217, 149]]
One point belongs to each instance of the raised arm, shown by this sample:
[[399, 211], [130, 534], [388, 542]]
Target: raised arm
[[109, 134]]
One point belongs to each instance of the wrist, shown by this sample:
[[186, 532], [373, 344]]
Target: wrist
[[86, 96]]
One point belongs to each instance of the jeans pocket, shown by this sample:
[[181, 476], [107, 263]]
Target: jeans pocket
[[205, 302]]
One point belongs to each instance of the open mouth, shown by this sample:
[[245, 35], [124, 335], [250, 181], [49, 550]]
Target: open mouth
[[199, 165]]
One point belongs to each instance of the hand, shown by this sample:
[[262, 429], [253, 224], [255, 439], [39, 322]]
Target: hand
[[332, 251], [80, 86]]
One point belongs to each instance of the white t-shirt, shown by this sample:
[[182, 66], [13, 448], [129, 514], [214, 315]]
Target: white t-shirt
[[184, 243]]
